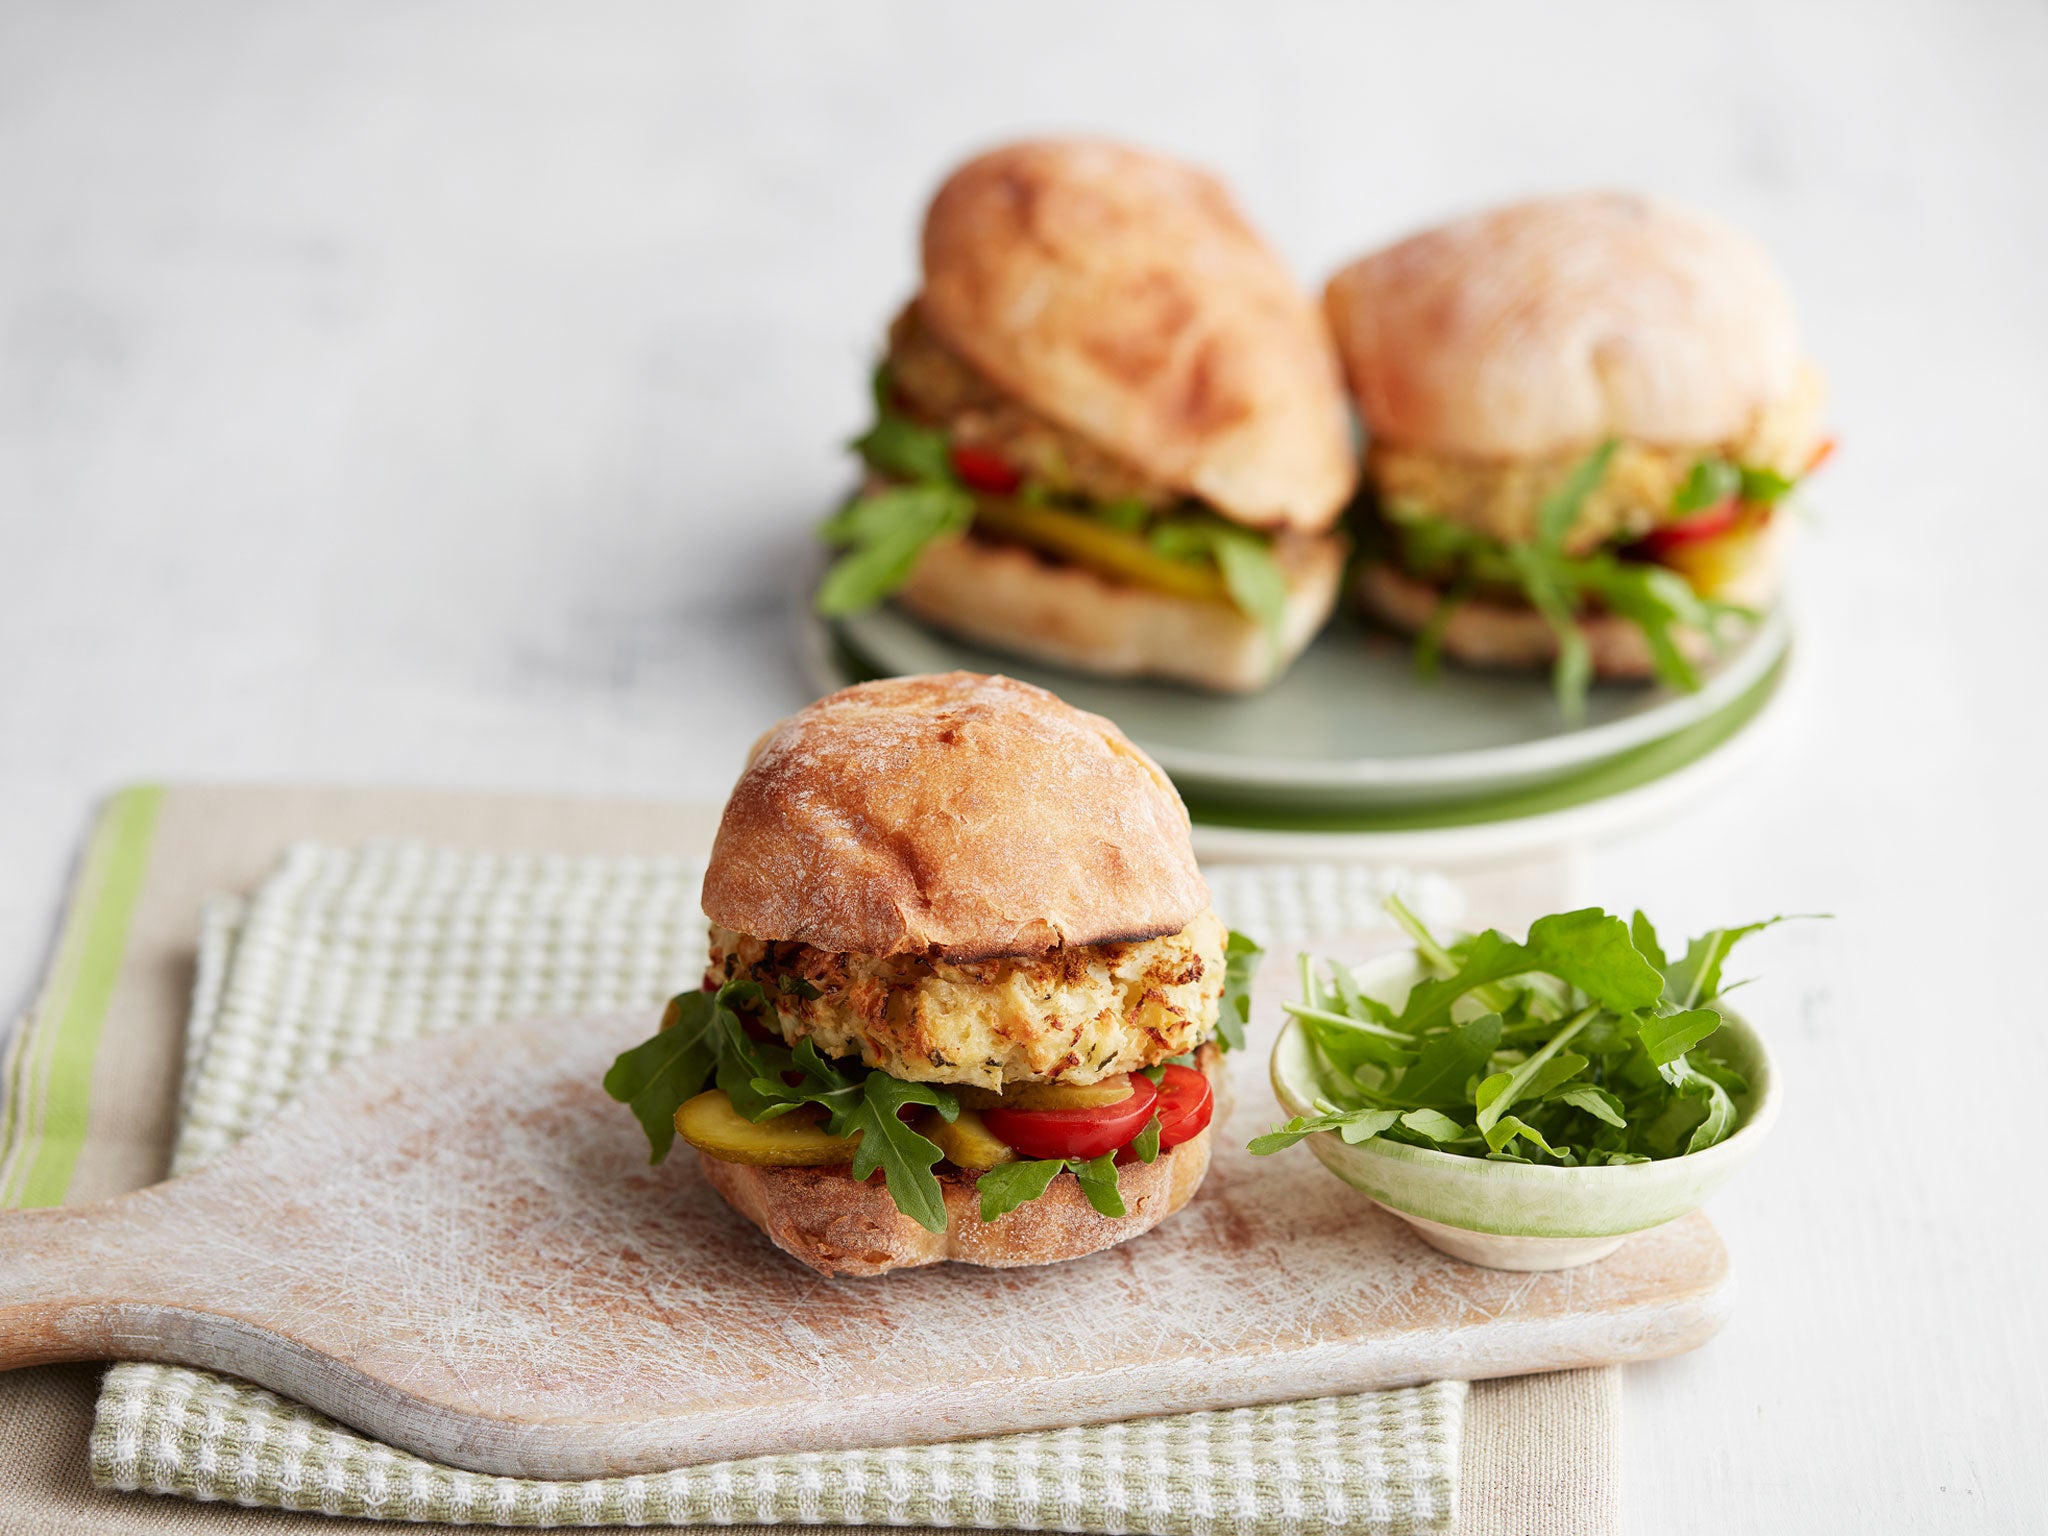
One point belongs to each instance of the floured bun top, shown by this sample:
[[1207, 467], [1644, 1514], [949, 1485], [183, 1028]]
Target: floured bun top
[[956, 815], [1546, 327], [1124, 297]]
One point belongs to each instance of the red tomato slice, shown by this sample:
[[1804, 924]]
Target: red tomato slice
[[985, 470], [1708, 523], [1075, 1132], [1185, 1105]]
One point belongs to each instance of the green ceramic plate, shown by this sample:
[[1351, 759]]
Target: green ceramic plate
[[1351, 727]]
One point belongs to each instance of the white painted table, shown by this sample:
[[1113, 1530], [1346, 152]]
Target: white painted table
[[440, 394]]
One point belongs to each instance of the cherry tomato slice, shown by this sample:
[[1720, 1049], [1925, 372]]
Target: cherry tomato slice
[[1185, 1105], [1075, 1132], [1708, 523], [985, 470]]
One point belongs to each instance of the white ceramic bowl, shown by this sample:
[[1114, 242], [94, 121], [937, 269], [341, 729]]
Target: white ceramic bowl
[[1526, 1215]]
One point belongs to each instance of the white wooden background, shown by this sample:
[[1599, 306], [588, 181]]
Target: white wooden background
[[439, 393]]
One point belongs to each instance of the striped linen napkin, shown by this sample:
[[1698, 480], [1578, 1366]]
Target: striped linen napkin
[[344, 951]]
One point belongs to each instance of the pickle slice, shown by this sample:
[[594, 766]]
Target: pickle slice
[[1090, 542], [795, 1140], [1111, 1090], [966, 1141]]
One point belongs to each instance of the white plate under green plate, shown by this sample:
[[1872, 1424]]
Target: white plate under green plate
[[1351, 724]]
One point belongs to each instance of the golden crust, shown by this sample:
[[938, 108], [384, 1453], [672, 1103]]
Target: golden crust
[[1513, 636], [1014, 599], [1076, 1015], [1543, 328], [956, 815], [1124, 297]]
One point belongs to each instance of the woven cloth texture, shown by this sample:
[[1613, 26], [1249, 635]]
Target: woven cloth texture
[[344, 951]]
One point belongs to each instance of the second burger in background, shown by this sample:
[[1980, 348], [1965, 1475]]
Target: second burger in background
[[1584, 412], [1110, 429]]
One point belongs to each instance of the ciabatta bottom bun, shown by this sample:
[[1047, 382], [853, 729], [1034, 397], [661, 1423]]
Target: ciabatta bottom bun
[[1511, 636], [1007, 597], [838, 1226]]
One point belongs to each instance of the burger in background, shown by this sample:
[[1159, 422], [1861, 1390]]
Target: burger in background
[[1584, 415], [1110, 431]]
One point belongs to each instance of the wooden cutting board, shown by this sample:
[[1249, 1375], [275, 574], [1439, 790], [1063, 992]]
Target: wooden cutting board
[[458, 1246]]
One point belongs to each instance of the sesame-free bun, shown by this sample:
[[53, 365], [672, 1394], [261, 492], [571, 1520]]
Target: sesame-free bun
[[1006, 596], [838, 1226], [955, 815], [1123, 296], [1549, 326]]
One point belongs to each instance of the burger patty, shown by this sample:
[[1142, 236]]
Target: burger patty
[[944, 389], [1077, 1015], [1502, 499]]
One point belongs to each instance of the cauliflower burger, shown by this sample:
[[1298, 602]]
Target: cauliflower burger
[[1110, 430], [1584, 413], [965, 994]]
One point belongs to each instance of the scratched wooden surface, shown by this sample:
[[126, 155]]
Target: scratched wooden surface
[[459, 1246]]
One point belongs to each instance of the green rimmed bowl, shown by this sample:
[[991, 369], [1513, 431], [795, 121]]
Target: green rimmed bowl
[[1518, 1215]]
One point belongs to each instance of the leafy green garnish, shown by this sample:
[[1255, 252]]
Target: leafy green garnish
[[1251, 575], [1712, 481], [1240, 960], [1560, 509], [1584, 1044], [656, 1076], [1146, 1143], [883, 532], [904, 1157], [1707, 484], [1698, 975], [1354, 1125], [1763, 486], [885, 529], [1587, 949], [1654, 598], [1008, 1185], [1097, 1178], [898, 446], [706, 1042]]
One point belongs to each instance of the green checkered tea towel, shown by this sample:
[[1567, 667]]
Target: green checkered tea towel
[[343, 951]]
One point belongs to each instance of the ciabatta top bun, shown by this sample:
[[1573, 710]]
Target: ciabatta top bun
[[1123, 296], [954, 816], [1542, 329]]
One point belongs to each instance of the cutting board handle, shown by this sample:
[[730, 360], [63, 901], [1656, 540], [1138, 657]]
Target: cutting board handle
[[73, 1281]]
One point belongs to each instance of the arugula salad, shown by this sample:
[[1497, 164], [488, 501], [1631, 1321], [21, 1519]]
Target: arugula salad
[[926, 487], [903, 1129], [1584, 1045]]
